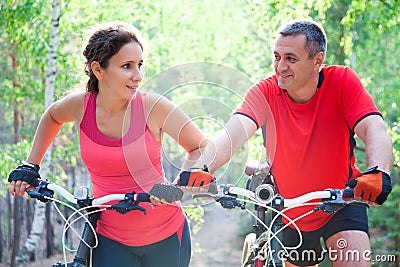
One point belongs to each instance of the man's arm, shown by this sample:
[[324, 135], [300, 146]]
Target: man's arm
[[220, 150], [378, 144]]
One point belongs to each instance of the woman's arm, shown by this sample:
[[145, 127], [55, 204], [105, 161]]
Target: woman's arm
[[166, 117], [220, 150], [65, 110]]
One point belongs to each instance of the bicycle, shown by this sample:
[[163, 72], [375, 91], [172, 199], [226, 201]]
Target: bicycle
[[127, 202], [263, 247]]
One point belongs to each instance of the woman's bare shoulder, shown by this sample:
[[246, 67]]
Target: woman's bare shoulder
[[152, 98], [69, 108]]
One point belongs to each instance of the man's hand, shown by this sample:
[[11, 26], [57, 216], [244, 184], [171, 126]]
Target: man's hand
[[372, 186], [25, 174], [195, 180]]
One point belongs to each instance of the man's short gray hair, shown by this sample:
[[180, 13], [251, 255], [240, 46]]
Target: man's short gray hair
[[315, 35]]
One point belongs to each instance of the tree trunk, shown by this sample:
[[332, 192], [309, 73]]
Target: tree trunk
[[16, 230], [28, 249], [49, 233], [51, 61], [16, 221], [39, 216], [14, 47], [9, 210], [29, 218], [1, 229], [28, 215]]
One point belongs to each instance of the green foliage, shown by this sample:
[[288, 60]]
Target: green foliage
[[11, 156], [394, 133], [238, 34], [195, 216], [22, 79], [387, 217], [26, 31]]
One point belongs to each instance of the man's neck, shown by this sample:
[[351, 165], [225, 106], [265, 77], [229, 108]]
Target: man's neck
[[305, 94]]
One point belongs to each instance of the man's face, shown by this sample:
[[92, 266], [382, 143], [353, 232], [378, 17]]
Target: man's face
[[292, 65]]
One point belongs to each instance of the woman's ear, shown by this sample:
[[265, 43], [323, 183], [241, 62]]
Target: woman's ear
[[97, 70]]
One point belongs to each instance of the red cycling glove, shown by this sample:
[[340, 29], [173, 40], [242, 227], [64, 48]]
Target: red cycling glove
[[373, 186], [195, 177]]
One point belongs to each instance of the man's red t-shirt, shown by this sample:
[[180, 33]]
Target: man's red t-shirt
[[310, 145]]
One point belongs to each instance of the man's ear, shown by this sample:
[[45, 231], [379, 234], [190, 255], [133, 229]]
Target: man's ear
[[97, 70], [319, 59]]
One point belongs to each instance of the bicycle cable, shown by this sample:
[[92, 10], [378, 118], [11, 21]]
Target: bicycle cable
[[271, 235]]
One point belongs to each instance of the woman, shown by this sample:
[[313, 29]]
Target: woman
[[120, 131]]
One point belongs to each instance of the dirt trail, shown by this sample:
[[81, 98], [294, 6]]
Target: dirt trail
[[218, 238]]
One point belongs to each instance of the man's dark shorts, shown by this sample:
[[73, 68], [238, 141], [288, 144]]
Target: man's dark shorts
[[310, 252]]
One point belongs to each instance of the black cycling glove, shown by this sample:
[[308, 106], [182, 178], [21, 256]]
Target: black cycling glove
[[27, 172]]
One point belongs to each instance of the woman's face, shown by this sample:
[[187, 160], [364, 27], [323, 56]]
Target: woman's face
[[124, 73]]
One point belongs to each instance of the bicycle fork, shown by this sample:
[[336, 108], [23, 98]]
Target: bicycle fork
[[275, 247], [259, 260]]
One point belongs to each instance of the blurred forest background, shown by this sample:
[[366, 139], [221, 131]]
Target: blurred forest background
[[41, 46]]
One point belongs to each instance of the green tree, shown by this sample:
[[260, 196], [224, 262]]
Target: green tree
[[239, 34]]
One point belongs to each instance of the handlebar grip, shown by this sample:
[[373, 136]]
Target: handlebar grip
[[143, 197], [213, 188], [348, 193], [168, 192]]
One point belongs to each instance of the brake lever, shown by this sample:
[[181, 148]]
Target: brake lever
[[333, 206], [358, 203], [41, 192], [230, 202], [209, 195], [330, 207], [226, 201], [125, 206]]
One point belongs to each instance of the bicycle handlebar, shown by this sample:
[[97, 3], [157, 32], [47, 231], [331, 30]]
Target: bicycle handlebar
[[127, 202], [265, 194], [45, 191]]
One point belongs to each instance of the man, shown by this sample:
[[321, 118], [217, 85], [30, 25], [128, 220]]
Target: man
[[312, 112]]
